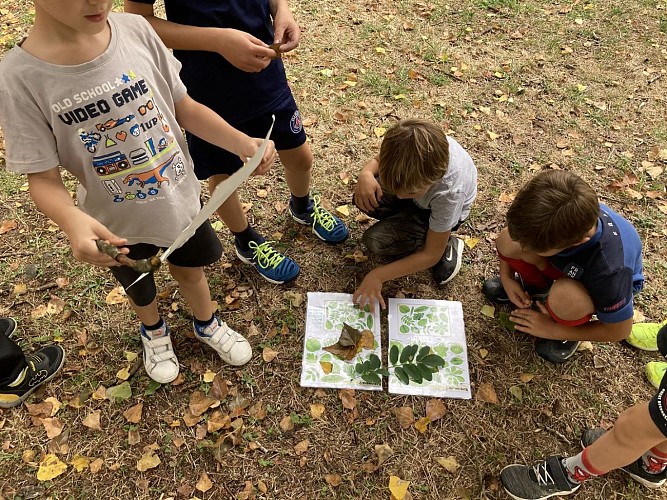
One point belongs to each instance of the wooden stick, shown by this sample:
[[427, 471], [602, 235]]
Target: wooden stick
[[141, 266]]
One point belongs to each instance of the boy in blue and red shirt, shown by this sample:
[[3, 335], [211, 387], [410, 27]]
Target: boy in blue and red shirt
[[228, 65], [561, 242]]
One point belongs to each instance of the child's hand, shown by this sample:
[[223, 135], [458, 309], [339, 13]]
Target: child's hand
[[287, 32], [516, 293], [82, 236], [536, 323], [369, 292], [267, 160], [367, 192], [243, 50]]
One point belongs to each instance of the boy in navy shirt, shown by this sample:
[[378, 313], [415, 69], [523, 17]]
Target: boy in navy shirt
[[561, 242], [228, 65]]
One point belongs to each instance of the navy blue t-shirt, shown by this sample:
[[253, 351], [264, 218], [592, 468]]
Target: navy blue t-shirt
[[609, 266], [234, 94]]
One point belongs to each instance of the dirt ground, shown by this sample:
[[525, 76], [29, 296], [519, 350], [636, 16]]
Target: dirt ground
[[523, 86]]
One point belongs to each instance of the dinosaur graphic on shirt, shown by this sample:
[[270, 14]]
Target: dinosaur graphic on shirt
[[152, 176]]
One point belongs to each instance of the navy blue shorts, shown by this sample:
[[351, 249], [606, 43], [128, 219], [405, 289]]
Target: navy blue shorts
[[287, 133], [202, 249]]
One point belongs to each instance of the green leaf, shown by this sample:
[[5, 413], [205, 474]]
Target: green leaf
[[456, 361], [405, 354], [359, 368], [413, 373], [413, 351], [433, 360], [504, 321], [153, 386], [421, 309], [425, 371], [374, 362], [369, 322], [328, 325], [402, 376], [404, 329], [393, 354], [382, 371], [456, 348], [422, 322], [371, 378], [366, 365], [119, 392], [403, 309], [423, 352]]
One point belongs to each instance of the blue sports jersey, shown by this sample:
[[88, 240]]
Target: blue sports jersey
[[609, 266], [234, 94]]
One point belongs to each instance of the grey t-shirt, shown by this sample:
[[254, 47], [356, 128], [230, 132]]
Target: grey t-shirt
[[111, 123], [451, 197]]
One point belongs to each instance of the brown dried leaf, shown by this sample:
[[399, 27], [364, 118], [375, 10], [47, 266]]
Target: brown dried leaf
[[301, 447], [219, 388], [92, 421], [148, 460], [333, 480], [405, 416], [133, 414], [54, 426], [199, 403], [435, 409], [204, 484], [286, 424], [487, 393], [347, 398], [384, 452], [7, 225], [316, 410], [269, 354]]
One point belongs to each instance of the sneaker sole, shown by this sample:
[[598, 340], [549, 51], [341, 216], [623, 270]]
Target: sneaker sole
[[641, 347], [21, 399], [312, 230], [643, 481], [249, 261], [459, 259]]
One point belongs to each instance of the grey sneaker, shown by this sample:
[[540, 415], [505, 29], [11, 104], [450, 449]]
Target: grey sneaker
[[636, 469], [543, 480]]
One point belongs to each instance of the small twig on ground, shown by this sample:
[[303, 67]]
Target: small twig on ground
[[46, 286], [558, 435], [15, 254], [252, 285]]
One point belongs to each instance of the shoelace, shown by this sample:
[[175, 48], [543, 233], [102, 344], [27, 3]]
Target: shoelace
[[267, 257], [542, 474], [322, 216]]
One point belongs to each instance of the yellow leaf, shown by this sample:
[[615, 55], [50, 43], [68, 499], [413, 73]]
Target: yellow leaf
[[343, 210], [471, 242], [20, 288], [301, 447], [148, 460], [489, 311], [316, 410], [450, 463], [483, 353], [209, 376], [526, 377], [422, 424], [124, 373], [586, 345], [492, 135], [116, 296], [379, 131], [581, 87], [326, 367], [350, 83], [50, 467], [380, 50], [80, 463], [130, 356], [579, 21], [398, 487], [269, 354], [398, 97], [92, 421]]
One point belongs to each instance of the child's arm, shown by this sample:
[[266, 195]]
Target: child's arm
[[540, 324], [371, 287], [511, 249], [368, 192], [209, 126], [241, 49], [286, 30], [53, 200]]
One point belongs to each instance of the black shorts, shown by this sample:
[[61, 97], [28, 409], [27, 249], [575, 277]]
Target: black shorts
[[287, 134], [202, 249]]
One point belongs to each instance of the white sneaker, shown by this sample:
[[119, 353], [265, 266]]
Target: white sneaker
[[231, 346], [159, 357]]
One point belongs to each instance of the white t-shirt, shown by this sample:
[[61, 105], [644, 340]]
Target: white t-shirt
[[111, 123], [451, 197]]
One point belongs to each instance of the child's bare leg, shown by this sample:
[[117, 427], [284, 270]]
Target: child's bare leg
[[148, 314], [633, 433], [298, 163], [231, 211], [569, 300], [194, 287]]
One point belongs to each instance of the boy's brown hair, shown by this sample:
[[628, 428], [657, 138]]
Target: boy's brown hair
[[414, 154], [553, 211]]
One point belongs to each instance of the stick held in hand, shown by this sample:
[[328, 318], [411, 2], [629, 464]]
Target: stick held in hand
[[147, 265]]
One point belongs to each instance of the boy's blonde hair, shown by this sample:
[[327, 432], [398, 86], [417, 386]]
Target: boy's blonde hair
[[414, 154], [553, 211]]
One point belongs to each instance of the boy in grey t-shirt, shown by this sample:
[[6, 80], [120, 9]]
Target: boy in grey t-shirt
[[421, 188], [99, 95]]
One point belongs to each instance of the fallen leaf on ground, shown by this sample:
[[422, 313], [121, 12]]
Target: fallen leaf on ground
[[526, 377], [422, 424], [489, 311], [435, 409], [517, 392], [286, 424], [333, 479], [148, 460], [133, 414], [398, 487], [7, 225], [92, 421], [199, 403], [585, 345], [301, 447], [487, 393], [116, 296], [347, 398], [316, 410], [50, 467], [384, 452], [96, 465], [450, 464], [204, 484], [80, 463], [405, 416], [343, 210], [269, 354], [54, 426], [208, 377]]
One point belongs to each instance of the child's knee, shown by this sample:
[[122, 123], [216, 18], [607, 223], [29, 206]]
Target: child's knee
[[570, 302], [187, 275]]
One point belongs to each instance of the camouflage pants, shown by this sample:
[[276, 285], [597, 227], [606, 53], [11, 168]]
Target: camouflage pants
[[401, 228]]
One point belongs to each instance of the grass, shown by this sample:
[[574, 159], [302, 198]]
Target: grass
[[525, 41]]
